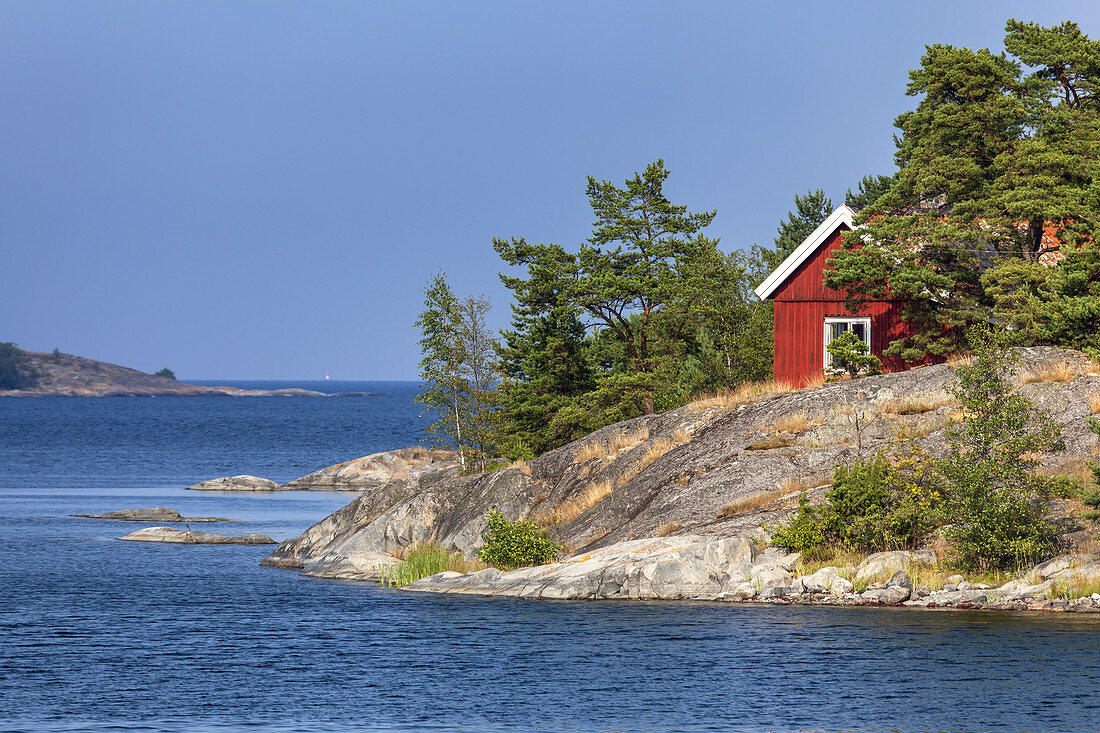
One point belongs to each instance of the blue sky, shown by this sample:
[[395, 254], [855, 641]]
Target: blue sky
[[261, 189]]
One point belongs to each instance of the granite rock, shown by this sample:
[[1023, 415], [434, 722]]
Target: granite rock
[[668, 568], [156, 514], [888, 563], [186, 537], [244, 482]]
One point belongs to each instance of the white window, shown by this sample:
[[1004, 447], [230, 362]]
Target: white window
[[834, 327]]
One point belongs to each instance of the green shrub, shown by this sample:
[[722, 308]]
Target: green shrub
[[803, 533], [849, 354], [511, 545], [422, 561], [874, 504], [166, 373], [993, 514], [1066, 487]]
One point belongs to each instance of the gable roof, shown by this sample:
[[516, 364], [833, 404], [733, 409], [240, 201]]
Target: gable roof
[[844, 214]]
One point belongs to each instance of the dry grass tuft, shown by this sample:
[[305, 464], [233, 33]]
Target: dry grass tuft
[[797, 422], [622, 441], [919, 429], [790, 484], [916, 405], [415, 451], [667, 528], [1094, 403], [960, 358], [785, 490], [825, 557], [743, 394], [569, 510], [1075, 470], [600, 449], [1057, 372], [682, 479], [752, 501], [654, 450], [772, 442], [522, 466], [588, 451], [814, 381]]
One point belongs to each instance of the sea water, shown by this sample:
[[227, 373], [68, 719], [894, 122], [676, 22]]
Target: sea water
[[98, 634]]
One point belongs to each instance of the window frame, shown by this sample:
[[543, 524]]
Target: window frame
[[827, 335]]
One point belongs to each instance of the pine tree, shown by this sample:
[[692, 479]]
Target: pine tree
[[809, 211], [869, 190], [641, 276], [991, 162]]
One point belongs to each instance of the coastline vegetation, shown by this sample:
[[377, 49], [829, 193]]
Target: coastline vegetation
[[648, 314], [509, 545], [16, 370], [983, 496], [423, 560]]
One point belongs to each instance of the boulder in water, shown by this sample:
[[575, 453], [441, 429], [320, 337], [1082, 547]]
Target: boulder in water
[[243, 482], [185, 537], [156, 514]]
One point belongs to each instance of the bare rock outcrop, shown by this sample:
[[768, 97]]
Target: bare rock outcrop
[[667, 568], [244, 482], [187, 537], [156, 514], [440, 507], [410, 466], [721, 467]]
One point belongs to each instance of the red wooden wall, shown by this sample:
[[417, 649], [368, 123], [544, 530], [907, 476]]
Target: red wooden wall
[[801, 305]]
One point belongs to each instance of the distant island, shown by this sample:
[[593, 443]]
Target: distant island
[[34, 374]]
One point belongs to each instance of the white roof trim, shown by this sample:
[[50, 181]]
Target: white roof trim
[[843, 215]]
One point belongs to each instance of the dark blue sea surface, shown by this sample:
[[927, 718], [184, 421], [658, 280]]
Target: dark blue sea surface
[[98, 634], [109, 442]]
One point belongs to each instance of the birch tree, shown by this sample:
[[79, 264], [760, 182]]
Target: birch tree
[[459, 373]]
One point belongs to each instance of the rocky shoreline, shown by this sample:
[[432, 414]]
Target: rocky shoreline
[[67, 375], [734, 570], [675, 506]]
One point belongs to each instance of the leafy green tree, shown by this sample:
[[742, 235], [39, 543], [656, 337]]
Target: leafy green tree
[[16, 371], [166, 373], [481, 373], [546, 363], [874, 504], [443, 391], [734, 342], [459, 374], [992, 514], [988, 160]]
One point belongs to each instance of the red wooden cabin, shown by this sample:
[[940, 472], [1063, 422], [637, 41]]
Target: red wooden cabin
[[809, 315]]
